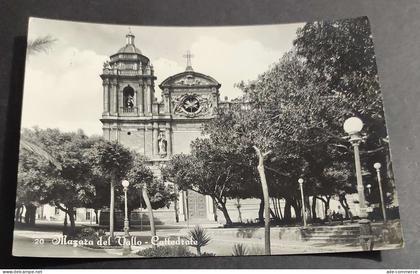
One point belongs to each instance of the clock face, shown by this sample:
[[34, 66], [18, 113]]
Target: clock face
[[191, 104]]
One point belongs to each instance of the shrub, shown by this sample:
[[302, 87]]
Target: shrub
[[91, 234], [199, 235], [166, 251], [85, 231], [255, 250], [239, 250]]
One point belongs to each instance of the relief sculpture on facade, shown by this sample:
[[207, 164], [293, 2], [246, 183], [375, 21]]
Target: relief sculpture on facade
[[192, 105]]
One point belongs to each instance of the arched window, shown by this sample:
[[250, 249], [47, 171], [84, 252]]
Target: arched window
[[128, 95]]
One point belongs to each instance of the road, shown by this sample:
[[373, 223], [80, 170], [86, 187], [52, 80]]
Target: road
[[25, 246]]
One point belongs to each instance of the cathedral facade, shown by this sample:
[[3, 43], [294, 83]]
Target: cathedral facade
[[134, 117]]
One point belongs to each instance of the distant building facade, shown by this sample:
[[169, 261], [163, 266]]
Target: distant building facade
[[158, 129]]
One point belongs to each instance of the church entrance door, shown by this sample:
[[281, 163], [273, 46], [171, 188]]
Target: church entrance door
[[196, 206]]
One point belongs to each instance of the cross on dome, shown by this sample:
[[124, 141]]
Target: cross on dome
[[188, 56], [130, 37]]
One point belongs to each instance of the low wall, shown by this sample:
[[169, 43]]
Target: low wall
[[283, 233]]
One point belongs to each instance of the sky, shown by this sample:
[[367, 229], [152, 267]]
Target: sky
[[63, 89]]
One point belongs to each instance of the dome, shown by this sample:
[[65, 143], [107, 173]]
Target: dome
[[129, 49]]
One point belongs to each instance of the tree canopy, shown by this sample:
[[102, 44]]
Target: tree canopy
[[293, 113]]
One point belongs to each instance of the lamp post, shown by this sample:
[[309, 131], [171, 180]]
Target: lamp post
[[352, 127], [377, 166], [300, 181], [369, 187], [126, 246]]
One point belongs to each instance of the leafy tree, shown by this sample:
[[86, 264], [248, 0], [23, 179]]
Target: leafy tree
[[65, 187], [70, 186], [31, 185], [295, 111], [140, 174], [147, 191], [112, 161], [341, 55], [207, 172]]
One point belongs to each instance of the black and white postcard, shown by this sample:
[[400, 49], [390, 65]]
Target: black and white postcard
[[147, 141]]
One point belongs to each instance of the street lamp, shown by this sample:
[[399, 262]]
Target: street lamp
[[377, 166], [353, 126], [300, 181], [369, 186], [125, 185]]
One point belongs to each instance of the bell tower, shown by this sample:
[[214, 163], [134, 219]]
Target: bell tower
[[128, 89]]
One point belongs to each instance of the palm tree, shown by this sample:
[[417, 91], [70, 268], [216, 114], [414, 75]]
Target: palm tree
[[37, 45], [40, 44], [200, 237]]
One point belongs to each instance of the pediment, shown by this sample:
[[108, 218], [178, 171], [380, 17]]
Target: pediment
[[189, 78]]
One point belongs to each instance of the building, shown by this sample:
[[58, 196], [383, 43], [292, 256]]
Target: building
[[158, 129]]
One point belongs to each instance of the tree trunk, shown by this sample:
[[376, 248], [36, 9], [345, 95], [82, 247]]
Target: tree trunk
[[275, 212], [261, 211], [21, 214], [214, 209], [279, 208], [33, 215], [297, 207], [65, 232], [238, 206], [176, 204], [326, 202], [149, 209], [266, 196], [72, 231], [314, 216], [343, 202], [30, 214], [287, 211], [112, 209], [96, 216], [222, 207], [307, 208], [274, 215], [18, 213], [389, 170]]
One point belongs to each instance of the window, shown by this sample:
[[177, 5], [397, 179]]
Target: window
[[88, 215], [128, 94]]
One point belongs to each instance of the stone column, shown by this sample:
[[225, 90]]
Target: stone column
[[106, 97], [166, 100], [148, 101], [117, 134], [168, 139], [120, 100], [155, 138], [114, 99], [140, 99]]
